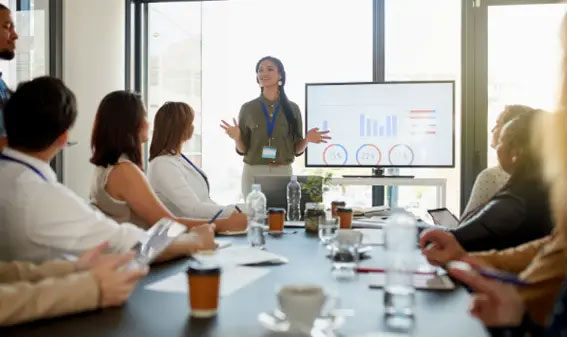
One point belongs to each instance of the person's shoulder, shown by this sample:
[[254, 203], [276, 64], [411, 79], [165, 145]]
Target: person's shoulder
[[493, 175], [251, 103], [126, 171]]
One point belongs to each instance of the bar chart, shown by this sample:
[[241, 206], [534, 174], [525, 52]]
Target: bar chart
[[371, 128]]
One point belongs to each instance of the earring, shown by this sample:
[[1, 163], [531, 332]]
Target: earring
[[514, 158], [280, 83]]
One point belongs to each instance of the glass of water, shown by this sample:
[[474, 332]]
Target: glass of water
[[328, 231], [345, 261]]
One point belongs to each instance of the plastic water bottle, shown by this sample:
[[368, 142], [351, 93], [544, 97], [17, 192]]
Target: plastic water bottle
[[293, 200], [256, 211], [401, 253]]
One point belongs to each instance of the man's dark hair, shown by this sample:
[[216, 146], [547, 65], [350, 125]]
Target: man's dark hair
[[2, 8], [38, 112]]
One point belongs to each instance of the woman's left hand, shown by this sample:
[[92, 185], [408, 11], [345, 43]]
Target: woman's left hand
[[316, 136]]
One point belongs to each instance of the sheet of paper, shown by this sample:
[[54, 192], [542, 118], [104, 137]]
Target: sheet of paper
[[240, 255], [232, 279], [372, 237]]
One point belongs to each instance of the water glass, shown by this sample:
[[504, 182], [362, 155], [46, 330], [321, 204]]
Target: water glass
[[328, 231], [345, 261]]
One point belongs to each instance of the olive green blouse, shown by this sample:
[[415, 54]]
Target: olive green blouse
[[254, 132]]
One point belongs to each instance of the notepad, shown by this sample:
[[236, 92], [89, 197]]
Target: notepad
[[241, 255]]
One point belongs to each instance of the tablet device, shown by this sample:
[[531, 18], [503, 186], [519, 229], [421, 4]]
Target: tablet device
[[443, 217], [158, 237]]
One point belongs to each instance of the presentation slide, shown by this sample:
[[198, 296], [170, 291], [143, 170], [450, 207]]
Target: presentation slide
[[382, 124]]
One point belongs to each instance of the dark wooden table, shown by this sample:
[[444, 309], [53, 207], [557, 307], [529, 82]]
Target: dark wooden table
[[150, 313]]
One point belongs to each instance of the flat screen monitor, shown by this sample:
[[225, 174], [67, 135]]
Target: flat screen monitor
[[382, 124]]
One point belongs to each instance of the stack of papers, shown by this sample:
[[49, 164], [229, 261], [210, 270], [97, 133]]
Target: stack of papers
[[241, 255]]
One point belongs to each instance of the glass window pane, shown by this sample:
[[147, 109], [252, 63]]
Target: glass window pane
[[215, 48], [423, 42], [513, 48]]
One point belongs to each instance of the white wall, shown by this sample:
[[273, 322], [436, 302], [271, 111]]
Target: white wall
[[93, 66]]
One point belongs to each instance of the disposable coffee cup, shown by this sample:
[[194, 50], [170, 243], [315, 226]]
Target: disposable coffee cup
[[276, 220], [204, 288]]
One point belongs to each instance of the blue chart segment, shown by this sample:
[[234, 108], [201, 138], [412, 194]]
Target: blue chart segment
[[371, 128], [368, 154], [335, 154]]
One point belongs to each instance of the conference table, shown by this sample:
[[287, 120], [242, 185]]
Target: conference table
[[152, 313]]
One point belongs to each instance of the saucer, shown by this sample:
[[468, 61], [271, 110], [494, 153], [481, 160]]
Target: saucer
[[276, 321]]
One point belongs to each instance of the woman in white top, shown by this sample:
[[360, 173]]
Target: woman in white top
[[120, 189], [492, 179], [178, 182]]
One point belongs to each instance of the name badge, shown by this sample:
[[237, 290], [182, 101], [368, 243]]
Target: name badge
[[269, 152]]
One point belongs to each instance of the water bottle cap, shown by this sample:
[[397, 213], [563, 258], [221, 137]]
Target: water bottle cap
[[256, 188], [293, 178]]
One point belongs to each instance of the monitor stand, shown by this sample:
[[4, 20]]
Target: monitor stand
[[379, 173]]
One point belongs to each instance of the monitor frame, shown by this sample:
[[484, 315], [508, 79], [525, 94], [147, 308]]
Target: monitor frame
[[452, 165]]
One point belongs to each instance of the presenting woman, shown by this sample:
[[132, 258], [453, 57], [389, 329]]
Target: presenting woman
[[178, 183], [269, 131]]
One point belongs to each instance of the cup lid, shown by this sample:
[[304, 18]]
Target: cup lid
[[196, 268], [344, 209], [338, 203], [276, 210]]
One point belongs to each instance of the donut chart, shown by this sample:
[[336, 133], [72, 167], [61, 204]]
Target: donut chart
[[368, 154], [401, 155], [335, 154]]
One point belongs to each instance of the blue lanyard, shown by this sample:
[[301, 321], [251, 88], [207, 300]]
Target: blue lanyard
[[4, 93], [7, 158], [198, 170], [271, 123]]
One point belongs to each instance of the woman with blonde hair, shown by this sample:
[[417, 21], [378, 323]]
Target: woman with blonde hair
[[543, 263], [177, 181]]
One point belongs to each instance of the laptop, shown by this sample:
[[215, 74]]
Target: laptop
[[274, 188]]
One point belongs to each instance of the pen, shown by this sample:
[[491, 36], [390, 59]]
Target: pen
[[216, 216], [379, 270], [238, 208]]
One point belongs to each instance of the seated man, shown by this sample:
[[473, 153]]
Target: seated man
[[40, 219], [55, 288]]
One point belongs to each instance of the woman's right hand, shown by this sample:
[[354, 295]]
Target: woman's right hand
[[204, 236], [235, 222], [440, 247], [233, 131]]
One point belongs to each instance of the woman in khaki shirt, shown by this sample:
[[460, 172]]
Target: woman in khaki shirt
[[268, 132]]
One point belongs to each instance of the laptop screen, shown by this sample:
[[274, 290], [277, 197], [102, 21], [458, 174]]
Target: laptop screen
[[274, 188]]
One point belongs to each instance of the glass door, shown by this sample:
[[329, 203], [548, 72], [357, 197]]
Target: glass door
[[511, 55]]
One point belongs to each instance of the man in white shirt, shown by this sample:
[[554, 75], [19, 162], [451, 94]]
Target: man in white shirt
[[8, 37], [40, 219]]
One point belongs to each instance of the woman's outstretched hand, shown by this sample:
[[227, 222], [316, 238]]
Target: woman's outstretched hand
[[316, 136], [233, 131]]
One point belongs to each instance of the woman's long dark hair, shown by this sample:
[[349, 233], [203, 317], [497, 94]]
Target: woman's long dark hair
[[291, 120], [116, 129]]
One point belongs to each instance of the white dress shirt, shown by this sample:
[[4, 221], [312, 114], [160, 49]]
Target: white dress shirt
[[183, 189], [41, 219]]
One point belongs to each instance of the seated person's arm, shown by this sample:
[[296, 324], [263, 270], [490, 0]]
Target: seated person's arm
[[127, 182], [26, 301], [491, 224], [27, 271], [167, 179]]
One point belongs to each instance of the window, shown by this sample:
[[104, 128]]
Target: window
[[204, 53], [423, 42]]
